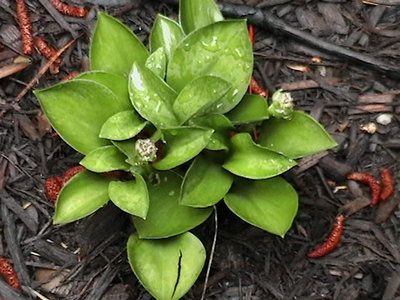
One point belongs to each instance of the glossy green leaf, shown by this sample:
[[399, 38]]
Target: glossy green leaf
[[217, 122], [253, 161], [218, 142], [199, 96], [126, 147], [114, 47], [152, 97], [165, 33], [195, 14], [122, 126], [182, 144], [205, 183], [118, 84], [77, 110], [85, 193], [297, 137], [130, 196], [105, 159], [166, 217], [157, 62], [252, 108], [167, 268], [222, 49], [221, 125], [270, 204]]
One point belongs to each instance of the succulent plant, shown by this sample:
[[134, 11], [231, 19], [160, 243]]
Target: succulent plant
[[177, 121]]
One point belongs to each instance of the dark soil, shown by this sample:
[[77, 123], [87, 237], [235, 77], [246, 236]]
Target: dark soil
[[344, 94]]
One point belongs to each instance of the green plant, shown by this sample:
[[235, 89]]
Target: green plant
[[178, 121]]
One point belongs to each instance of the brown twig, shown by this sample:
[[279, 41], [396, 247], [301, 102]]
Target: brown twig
[[266, 19], [58, 17], [43, 70], [48, 51]]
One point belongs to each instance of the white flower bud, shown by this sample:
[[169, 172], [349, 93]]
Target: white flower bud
[[146, 150], [282, 105]]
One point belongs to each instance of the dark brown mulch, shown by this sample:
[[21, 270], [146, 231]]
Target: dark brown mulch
[[344, 93]]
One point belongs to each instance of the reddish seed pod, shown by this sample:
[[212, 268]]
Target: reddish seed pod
[[252, 33], [52, 188], [71, 172], [387, 184], [69, 10], [49, 52], [8, 273], [372, 182], [25, 26], [255, 88], [53, 185], [333, 240]]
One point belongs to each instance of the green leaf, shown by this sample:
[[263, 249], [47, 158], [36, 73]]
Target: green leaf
[[195, 14], [114, 47], [182, 144], [221, 125], [126, 147], [77, 110], [166, 217], [222, 49], [118, 84], [152, 97], [122, 126], [165, 33], [253, 161], [105, 159], [199, 97], [85, 193], [270, 204], [252, 108], [205, 183], [217, 122], [157, 62], [298, 137], [130, 196], [167, 268]]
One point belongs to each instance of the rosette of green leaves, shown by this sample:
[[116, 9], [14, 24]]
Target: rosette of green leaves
[[176, 119]]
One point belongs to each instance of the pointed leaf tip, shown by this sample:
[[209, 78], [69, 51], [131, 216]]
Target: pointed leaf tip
[[298, 137], [270, 204], [85, 193], [108, 53]]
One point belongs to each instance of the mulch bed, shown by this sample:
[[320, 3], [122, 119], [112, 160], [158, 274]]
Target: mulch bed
[[346, 94]]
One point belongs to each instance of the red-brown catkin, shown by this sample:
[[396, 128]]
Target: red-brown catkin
[[53, 185], [8, 273], [52, 188], [25, 26], [69, 10], [372, 182], [255, 88], [71, 172], [49, 52], [252, 33], [387, 184], [333, 240]]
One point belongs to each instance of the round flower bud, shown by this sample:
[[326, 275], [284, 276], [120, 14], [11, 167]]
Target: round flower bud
[[146, 150], [282, 105]]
